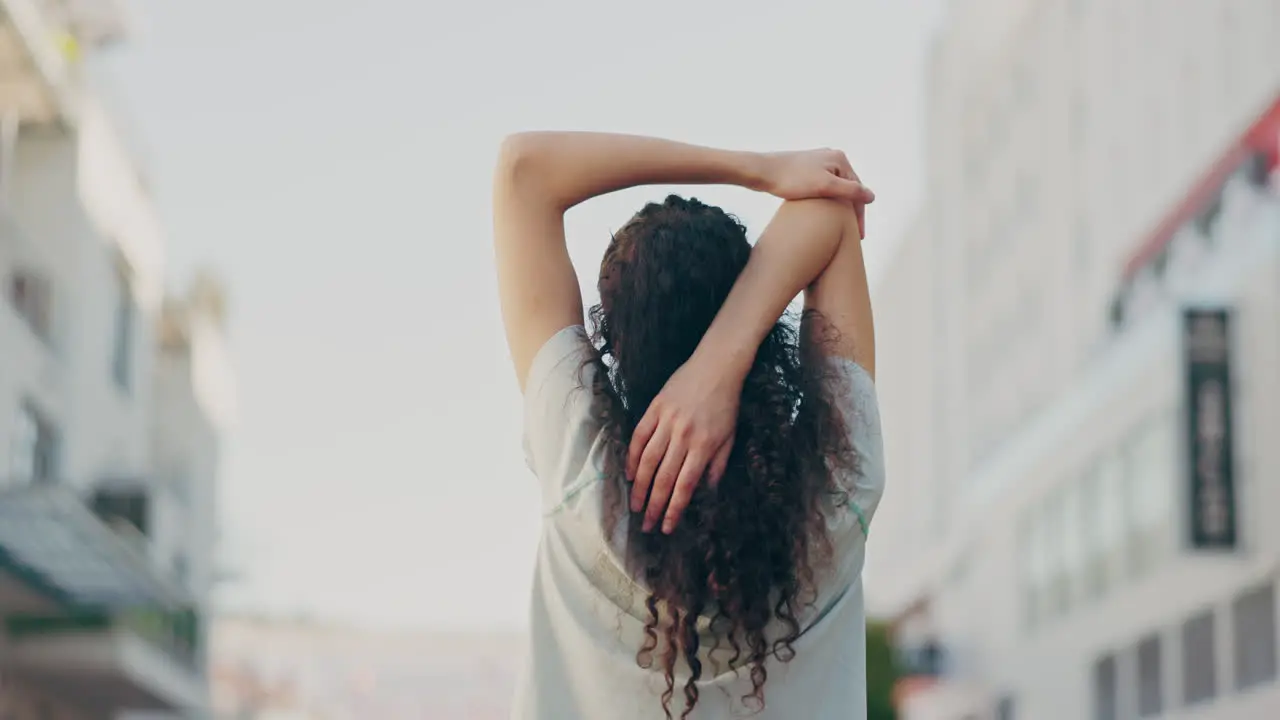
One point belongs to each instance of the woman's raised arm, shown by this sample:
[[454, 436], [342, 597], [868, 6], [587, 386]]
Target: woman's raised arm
[[541, 175]]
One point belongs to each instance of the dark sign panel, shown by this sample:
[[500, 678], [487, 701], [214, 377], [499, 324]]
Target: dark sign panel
[[1212, 496]]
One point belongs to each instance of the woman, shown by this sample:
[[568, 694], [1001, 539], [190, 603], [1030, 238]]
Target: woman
[[708, 471]]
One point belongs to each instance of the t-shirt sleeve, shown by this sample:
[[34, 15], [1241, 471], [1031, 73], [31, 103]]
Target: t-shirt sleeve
[[856, 400], [561, 416]]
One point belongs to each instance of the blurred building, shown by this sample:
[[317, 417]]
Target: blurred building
[[264, 668], [113, 399], [1078, 351]]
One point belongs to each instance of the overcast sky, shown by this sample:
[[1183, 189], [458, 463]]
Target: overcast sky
[[331, 160]]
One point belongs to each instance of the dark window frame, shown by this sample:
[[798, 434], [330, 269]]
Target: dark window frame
[[1106, 688], [1253, 634], [46, 445], [1150, 670], [1200, 682]]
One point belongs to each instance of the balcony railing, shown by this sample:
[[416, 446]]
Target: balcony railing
[[175, 633], [50, 535]]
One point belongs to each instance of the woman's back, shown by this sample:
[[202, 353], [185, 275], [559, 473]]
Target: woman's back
[[708, 471], [589, 612]]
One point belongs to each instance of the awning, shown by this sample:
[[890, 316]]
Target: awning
[[111, 662], [53, 542]]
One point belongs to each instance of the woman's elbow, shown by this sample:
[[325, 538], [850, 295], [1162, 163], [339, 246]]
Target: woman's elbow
[[519, 156]]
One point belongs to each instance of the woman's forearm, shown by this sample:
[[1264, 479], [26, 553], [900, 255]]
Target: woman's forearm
[[567, 168], [793, 251]]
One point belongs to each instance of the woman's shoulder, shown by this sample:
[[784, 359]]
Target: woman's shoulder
[[562, 417], [855, 396], [854, 389]]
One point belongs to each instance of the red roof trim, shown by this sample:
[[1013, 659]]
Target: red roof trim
[[1263, 135]]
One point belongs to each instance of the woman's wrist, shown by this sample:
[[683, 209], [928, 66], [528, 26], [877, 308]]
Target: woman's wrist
[[752, 170], [792, 252], [734, 337]]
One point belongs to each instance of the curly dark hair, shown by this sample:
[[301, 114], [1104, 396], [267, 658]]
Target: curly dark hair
[[744, 557]]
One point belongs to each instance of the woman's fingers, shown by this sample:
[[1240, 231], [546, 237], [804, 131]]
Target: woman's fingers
[[857, 193], [654, 450], [691, 473], [850, 190], [639, 439], [665, 466], [719, 464], [859, 197], [663, 483]]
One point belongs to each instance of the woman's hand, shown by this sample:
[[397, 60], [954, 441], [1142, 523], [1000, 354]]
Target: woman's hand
[[688, 430], [684, 436], [808, 174]]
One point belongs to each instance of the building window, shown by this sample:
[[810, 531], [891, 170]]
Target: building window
[[1105, 695], [1199, 660], [124, 507], [1037, 570], [31, 295], [1095, 555], [34, 454], [1253, 619], [1111, 520], [1152, 469], [1150, 687], [1074, 543], [1117, 310], [1055, 538], [1027, 574], [122, 340]]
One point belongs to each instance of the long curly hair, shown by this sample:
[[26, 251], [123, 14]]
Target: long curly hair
[[738, 571]]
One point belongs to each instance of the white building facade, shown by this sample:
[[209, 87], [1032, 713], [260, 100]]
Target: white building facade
[[113, 400], [1078, 352]]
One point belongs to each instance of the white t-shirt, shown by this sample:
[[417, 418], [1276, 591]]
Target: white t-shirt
[[587, 615]]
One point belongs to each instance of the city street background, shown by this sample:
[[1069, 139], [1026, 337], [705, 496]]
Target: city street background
[[259, 439], [334, 159]]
